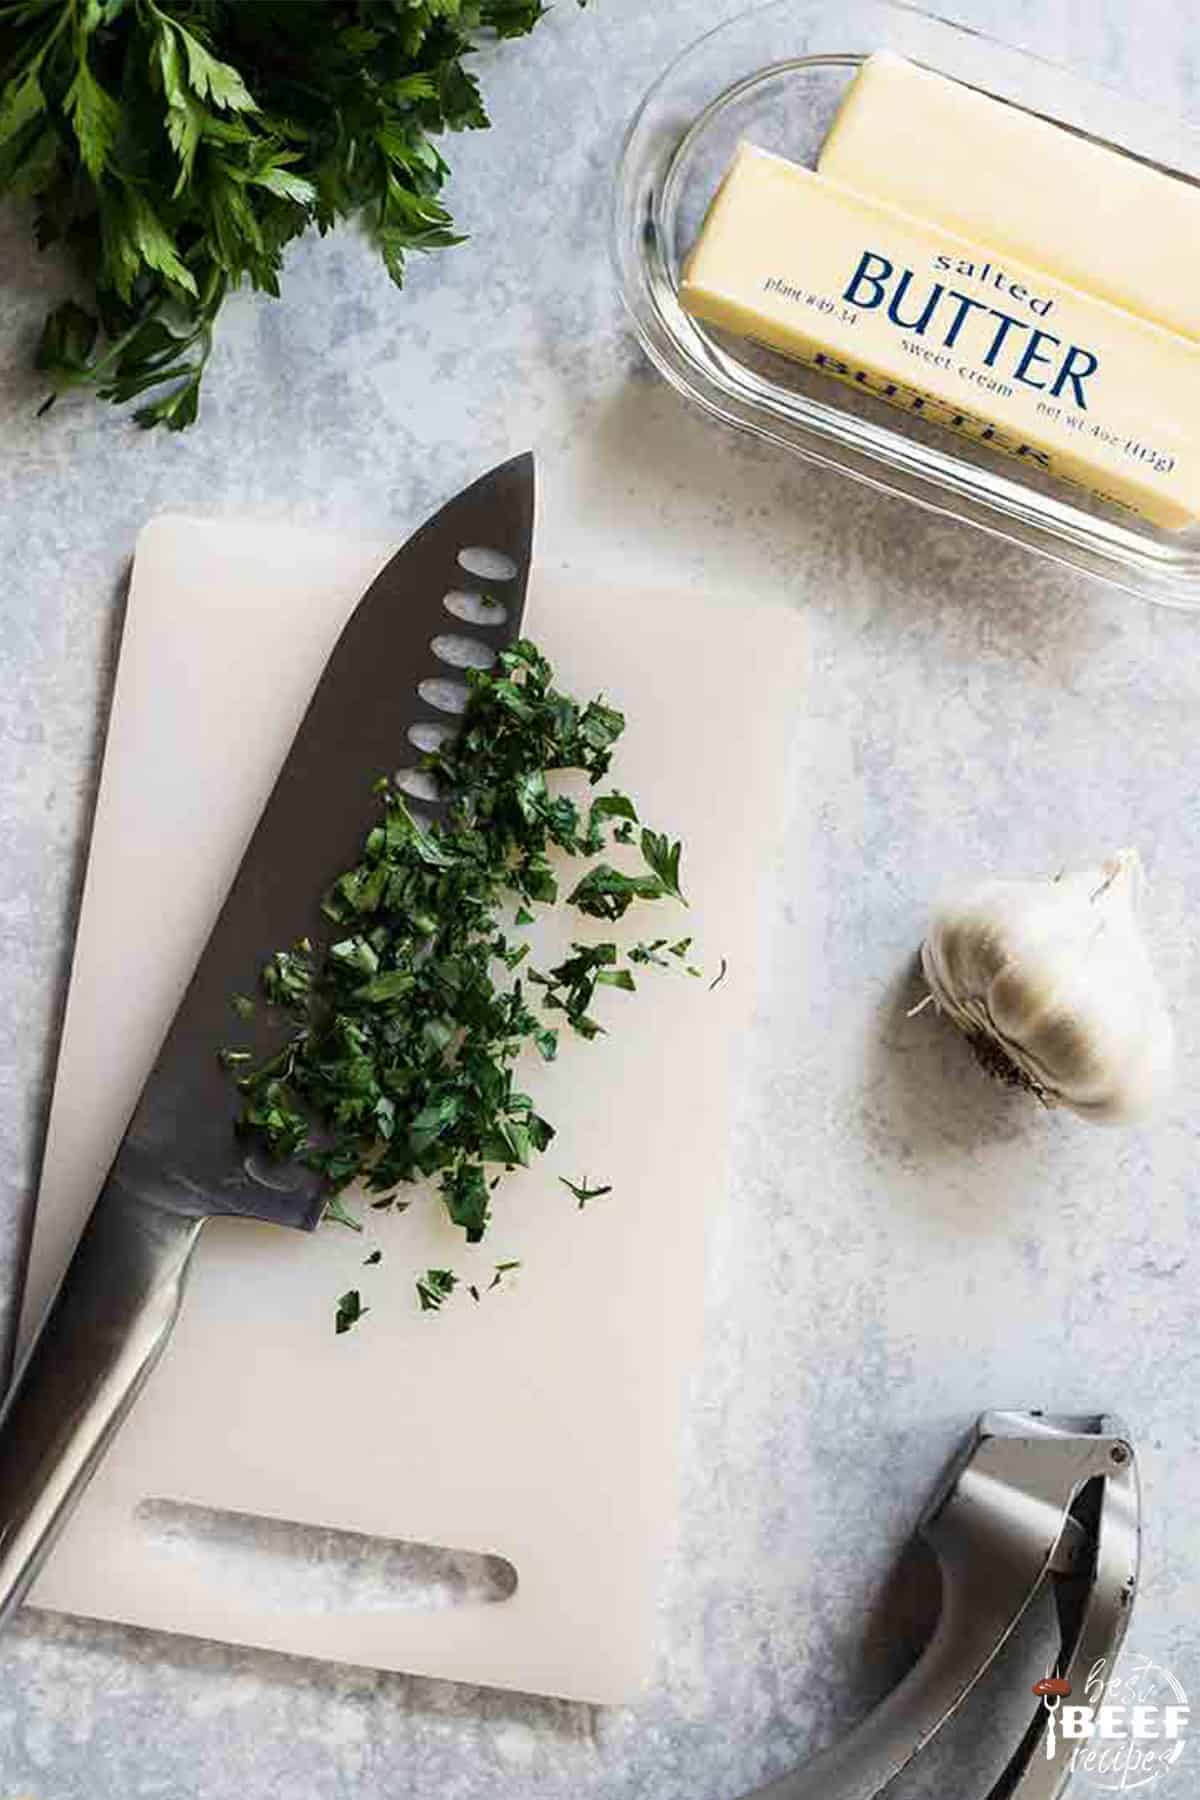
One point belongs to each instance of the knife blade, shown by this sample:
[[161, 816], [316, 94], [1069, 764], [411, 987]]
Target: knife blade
[[451, 598]]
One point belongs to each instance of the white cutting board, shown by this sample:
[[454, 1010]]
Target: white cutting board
[[542, 1424]]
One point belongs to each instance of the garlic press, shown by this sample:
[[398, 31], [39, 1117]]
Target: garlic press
[[1029, 1500]]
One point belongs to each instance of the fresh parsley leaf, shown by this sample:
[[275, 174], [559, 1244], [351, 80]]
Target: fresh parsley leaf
[[22, 103], [350, 1310], [395, 984], [66, 341], [287, 978], [618, 978], [614, 806], [173, 149], [435, 1287], [211, 79], [95, 118], [607, 893], [662, 856], [467, 1200], [338, 1214]]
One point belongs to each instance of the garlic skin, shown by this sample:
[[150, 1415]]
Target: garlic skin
[[1056, 974]]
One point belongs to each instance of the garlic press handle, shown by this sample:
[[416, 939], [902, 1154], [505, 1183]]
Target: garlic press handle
[[1001, 1524], [1094, 1601]]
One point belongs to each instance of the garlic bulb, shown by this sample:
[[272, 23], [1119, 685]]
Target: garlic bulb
[[1055, 976]]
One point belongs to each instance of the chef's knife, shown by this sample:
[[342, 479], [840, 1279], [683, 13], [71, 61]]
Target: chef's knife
[[395, 677]]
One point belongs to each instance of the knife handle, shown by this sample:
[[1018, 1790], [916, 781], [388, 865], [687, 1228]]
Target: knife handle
[[102, 1336]]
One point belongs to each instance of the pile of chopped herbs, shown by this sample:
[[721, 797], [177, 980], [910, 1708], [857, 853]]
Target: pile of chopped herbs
[[404, 1029], [175, 147]]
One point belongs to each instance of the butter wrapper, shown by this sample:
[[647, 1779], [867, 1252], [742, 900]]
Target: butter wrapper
[[934, 324]]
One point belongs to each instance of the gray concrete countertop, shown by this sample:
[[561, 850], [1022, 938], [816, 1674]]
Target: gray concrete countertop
[[902, 1245]]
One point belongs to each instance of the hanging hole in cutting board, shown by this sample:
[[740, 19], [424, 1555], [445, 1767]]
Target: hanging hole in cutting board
[[488, 565], [474, 609], [462, 652], [445, 696], [290, 1568]]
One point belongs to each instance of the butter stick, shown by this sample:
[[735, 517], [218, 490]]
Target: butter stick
[[1028, 189], [948, 330]]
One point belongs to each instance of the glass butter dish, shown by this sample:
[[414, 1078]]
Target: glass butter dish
[[775, 77]]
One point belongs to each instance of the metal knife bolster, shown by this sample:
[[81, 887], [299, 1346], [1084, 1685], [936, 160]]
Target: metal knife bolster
[[180, 1160], [1030, 1499]]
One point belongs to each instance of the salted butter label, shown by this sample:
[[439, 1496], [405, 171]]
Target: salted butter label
[[990, 172], [1003, 354]]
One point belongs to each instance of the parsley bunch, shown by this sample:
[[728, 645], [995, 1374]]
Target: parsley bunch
[[175, 147], [406, 1027]]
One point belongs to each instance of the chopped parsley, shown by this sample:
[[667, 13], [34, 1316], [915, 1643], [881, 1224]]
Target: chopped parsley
[[435, 1287], [350, 1310], [502, 1269], [403, 1030]]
